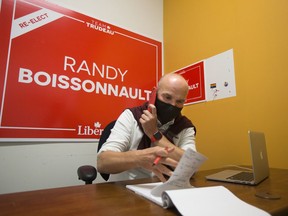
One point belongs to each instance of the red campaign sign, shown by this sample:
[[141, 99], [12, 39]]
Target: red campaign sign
[[64, 75], [194, 74]]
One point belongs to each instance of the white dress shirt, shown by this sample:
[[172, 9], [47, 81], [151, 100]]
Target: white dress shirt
[[126, 135]]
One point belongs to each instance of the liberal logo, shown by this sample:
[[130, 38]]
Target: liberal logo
[[87, 130]]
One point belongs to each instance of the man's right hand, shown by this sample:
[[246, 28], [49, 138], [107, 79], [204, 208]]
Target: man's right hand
[[146, 158]]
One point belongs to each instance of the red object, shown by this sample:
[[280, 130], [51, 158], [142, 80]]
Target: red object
[[157, 159], [152, 98], [65, 75], [194, 74]]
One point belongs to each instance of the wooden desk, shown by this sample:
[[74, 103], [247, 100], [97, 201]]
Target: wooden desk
[[114, 199]]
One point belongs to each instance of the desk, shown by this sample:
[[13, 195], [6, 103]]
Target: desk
[[114, 199]]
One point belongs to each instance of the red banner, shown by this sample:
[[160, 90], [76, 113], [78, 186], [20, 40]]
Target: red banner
[[64, 75], [194, 74]]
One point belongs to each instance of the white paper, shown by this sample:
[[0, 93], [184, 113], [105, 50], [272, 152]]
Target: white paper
[[204, 201], [145, 191], [216, 201], [187, 166]]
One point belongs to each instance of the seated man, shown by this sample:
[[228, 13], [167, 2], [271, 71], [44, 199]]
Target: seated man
[[141, 135]]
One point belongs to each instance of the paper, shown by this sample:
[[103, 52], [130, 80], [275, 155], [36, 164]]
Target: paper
[[216, 201], [187, 166], [145, 191], [204, 201]]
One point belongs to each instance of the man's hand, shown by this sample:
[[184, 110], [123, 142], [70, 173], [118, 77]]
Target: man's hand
[[148, 121], [147, 157]]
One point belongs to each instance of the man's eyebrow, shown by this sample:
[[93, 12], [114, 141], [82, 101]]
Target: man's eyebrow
[[181, 100], [167, 94]]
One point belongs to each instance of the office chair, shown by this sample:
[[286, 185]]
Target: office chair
[[88, 173]]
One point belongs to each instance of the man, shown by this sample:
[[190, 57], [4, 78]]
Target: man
[[141, 135]]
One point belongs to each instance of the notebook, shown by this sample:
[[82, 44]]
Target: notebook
[[213, 200], [260, 166], [178, 192]]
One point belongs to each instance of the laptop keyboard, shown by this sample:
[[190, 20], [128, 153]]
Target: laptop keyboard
[[242, 176]]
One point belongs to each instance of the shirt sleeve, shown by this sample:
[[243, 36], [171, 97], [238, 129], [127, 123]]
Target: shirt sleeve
[[186, 139], [123, 135]]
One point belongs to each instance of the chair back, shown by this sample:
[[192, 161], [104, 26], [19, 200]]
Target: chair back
[[104, 136]]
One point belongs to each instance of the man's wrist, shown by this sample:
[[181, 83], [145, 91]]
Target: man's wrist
[[156, 136]]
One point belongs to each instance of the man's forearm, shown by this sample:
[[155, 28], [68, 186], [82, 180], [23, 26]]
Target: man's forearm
[[176, 154], [116, 162]]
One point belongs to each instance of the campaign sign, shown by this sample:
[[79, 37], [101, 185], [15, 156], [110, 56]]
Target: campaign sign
[[65, 75], [194, 74]]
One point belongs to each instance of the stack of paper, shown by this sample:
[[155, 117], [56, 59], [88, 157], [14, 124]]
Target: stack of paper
[[204, 201], [216, 201]]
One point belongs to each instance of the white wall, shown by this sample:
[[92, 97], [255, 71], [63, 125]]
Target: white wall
[[35, 166]]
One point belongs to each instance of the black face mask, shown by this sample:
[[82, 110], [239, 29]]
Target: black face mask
[[166, 112]]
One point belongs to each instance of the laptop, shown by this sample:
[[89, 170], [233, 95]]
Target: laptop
[[260, 166]]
